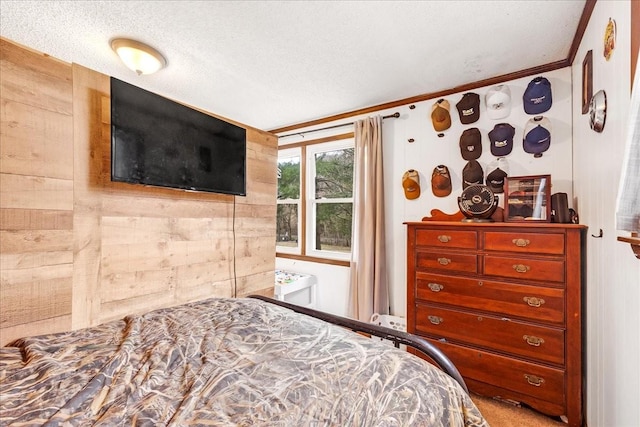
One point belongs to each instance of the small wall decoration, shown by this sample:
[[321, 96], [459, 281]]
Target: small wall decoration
[[609, 39], [527, 198], [598, 111], [587, 81]]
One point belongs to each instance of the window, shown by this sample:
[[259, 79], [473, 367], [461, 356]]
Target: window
[[288, 204], [325, 222], [330, 201]]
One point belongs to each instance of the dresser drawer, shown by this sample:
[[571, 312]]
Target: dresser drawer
[[446, 261], [535, 342], [528, 378], [541, 270], [444, 238], [543, 243], [534, 302]]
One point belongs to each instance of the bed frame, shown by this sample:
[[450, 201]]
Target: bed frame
[[398, 337]]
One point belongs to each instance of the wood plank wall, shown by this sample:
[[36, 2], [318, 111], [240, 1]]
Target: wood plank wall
[[77, 249]]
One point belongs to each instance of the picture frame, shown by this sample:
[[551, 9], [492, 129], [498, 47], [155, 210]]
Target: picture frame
[[587, 81], [527, 198]]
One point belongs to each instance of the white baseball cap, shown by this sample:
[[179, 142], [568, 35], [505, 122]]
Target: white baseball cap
[[498, 101]]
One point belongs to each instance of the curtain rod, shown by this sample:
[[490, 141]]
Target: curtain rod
[[394, 115]]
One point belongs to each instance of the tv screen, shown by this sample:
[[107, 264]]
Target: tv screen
[[156, 141]]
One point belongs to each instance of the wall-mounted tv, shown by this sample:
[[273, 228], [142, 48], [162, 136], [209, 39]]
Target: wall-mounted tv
[[156, 141]]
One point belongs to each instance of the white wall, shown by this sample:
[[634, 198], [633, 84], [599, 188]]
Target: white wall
[[584, 164], [613, 273], [427, 151]]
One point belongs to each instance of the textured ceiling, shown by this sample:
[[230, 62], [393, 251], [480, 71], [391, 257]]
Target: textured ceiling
[[269, 64]]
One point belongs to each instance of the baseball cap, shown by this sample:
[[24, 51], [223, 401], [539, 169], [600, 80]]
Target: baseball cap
[[411, 184], [472, 174], [495, 180], [537, 96], [441, 181], [501, 138], [471, 144], [469, 108], [537, 136], [498, 102], [440, 115]]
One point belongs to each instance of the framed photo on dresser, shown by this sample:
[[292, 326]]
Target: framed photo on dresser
[[527, 198]]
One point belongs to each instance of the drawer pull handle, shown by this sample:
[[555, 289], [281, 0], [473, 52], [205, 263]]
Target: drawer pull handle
[[444, 239], [532, 340], [436, 320], [534, 380], [533, 301], [521, 243], [521, 268], [444, 261], [435, 287]]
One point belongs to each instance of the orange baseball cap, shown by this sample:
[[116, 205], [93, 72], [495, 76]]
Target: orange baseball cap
[[411, 184], [441, 181], [440, 115]]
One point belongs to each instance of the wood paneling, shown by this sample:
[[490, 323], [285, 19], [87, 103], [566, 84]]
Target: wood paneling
[[42, 141], [36, 193], [35, 79], [78, 249]]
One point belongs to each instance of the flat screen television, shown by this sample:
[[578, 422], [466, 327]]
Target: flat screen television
[[156, 141]]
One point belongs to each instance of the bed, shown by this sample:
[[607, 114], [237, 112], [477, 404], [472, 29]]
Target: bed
[[229, 362]]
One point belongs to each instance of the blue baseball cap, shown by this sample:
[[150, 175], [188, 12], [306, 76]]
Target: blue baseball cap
[[537, 136], [501, 138], [537, 96]]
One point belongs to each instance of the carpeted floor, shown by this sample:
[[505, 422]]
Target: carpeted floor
[[501, 414]]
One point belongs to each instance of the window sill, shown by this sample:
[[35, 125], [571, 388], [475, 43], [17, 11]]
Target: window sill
[[343, 263]]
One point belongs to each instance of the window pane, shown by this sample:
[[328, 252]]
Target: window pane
[[289, 178], [333, 226], [334, 174], [287, 225]]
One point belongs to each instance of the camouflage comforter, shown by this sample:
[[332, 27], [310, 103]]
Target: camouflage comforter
[[223, 362]]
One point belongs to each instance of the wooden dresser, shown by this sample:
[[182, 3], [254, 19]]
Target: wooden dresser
[[505, 302]]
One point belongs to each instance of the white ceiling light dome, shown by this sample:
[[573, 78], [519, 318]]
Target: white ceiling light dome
[[137, 56]]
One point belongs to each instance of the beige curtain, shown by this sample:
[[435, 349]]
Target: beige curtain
[[369, 291]]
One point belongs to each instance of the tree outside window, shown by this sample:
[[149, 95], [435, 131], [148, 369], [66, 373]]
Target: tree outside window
[[327, 198], [333, 201], [287, 218]]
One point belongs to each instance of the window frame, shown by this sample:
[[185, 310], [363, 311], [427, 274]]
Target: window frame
[[291, 153], [311, 202], [306, 213]]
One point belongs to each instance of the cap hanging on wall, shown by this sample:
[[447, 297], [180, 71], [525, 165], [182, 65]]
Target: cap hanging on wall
[[498, 101], [472, 174], [469, 108], [537, 136], [471, 144], [411, 184], [537, 97], [137, 56], [440, 116], [441, 181], [501, 137]]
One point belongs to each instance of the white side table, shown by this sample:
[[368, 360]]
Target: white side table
[[288, 283]]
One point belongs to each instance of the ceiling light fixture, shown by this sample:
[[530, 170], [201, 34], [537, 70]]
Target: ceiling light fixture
[[138, 56]]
